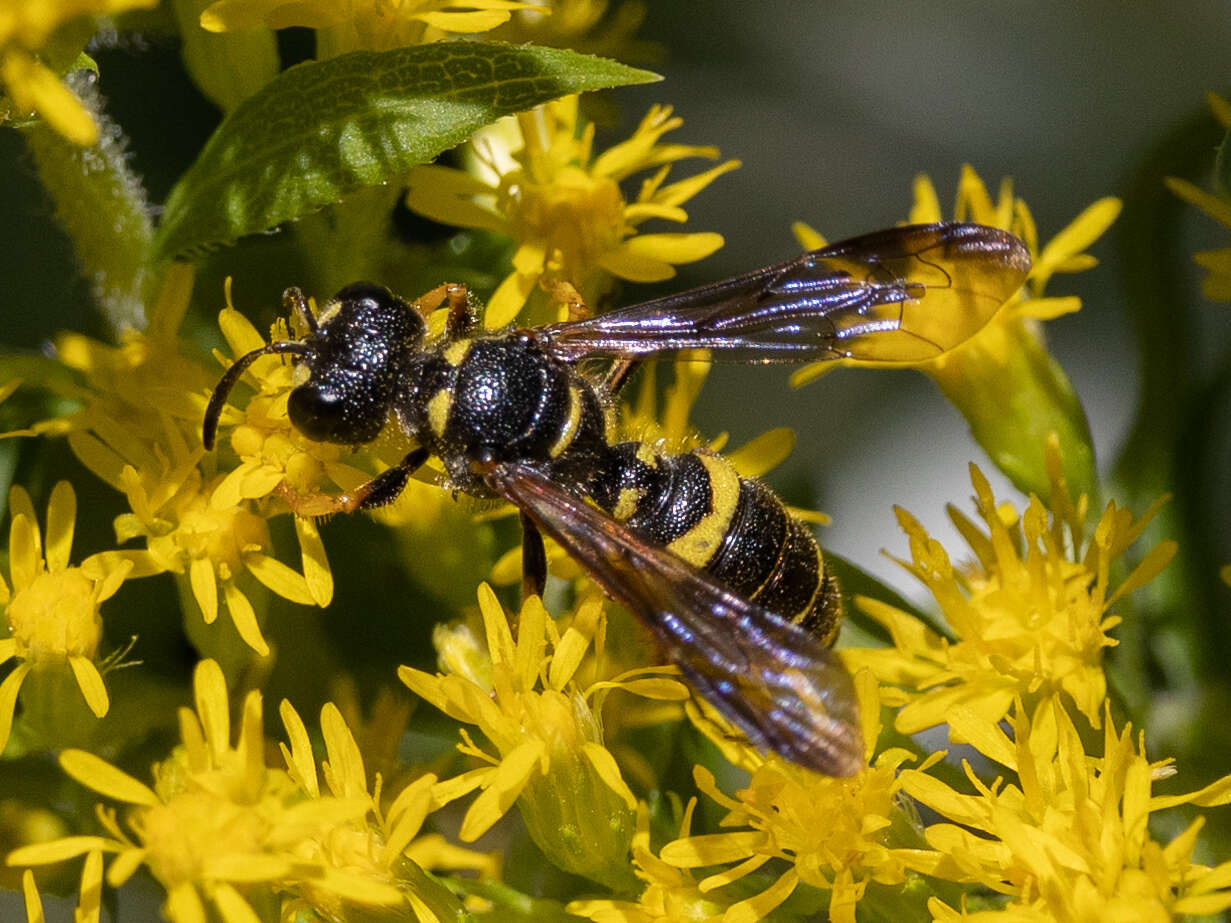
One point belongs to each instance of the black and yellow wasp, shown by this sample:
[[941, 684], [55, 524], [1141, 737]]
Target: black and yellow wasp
[[734, 587]]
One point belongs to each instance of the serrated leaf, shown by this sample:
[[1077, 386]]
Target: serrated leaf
[[323, 129]]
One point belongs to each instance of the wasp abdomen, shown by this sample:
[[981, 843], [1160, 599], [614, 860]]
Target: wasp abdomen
[[733, 528]]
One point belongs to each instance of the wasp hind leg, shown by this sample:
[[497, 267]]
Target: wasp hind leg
[[379, 491], [533, 559]]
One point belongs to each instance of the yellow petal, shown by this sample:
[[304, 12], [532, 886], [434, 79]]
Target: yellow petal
[[244, 618], [809, 238], [1216, 207], [511, 294], [407, 813], [209, 690], [764, 453], [183, 904], [34, 87], [53, 851], [500, 644], [285, 581], [90, 681], [713, 848], [345, 772], [315, 564], [648, 257], [89, 905], [107, 780], [1081, 232], [454, 197], [463, 22], [759, 907], [926, 207], [609, 771], [9, 688], [507, 783], [300, 761], [679, 192], [25, 554], [61, 517], [204, 588], [231, 905], [531, 642], [97, 456], [34, 906]]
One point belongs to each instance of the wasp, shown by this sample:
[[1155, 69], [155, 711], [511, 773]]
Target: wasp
[[735, 589]]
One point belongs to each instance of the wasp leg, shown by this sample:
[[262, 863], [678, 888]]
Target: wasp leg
[[618, 375], [463, 314], [294, 302], [380, 490], [533, 559]]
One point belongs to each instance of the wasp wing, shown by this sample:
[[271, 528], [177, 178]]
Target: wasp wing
[[774, 680], [902, 295]]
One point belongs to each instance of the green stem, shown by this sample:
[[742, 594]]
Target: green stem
[[101, 205]]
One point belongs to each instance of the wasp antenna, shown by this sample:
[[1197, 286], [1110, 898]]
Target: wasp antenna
[[209, 428], [294, 300]]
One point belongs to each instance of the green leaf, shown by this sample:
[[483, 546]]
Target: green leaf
[[323, 129]]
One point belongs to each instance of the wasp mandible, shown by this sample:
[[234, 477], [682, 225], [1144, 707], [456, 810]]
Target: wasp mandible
[[734, 588]]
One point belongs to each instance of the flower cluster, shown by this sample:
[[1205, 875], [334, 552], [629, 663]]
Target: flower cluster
[[547, 763]]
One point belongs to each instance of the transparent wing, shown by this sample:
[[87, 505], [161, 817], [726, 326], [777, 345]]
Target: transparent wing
[[902, 295], [774, 680]]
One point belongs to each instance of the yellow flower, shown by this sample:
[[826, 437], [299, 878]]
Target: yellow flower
[[1070, 841], [670, 895], [546, 731], [217, 825], [31, 31], [138, 428], [89, 907], [536, 180], [591, 26], [1030, 615], [1217, 284], [51, 613], [1003, 380], [836, 833], [348, 25], [365, 855]]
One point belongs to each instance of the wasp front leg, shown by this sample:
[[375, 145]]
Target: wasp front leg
[[379, 491], [533, 559]]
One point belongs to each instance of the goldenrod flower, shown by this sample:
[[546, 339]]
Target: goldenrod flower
[[1030, 616], [592, 26], [217, 821], [28, 29], [1070, 841], [139, 429], [550, 756], [365, 855], [89, 907], [838, 834], [1217, 284], [670, 894], [51, 613], [563, 206], [1003, 380], [348, 25]]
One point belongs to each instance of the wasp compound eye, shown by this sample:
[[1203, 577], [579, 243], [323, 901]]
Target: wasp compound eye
[[339, 409]]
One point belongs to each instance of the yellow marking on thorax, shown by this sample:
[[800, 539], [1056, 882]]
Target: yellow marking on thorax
[[455, 353], [699, 544], [626, 503], [438, 411], [569, 429]]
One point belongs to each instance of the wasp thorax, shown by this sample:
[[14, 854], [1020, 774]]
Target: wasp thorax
[[355, 357]]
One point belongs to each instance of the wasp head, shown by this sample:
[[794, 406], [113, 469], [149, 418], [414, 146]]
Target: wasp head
[[347, 367]]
